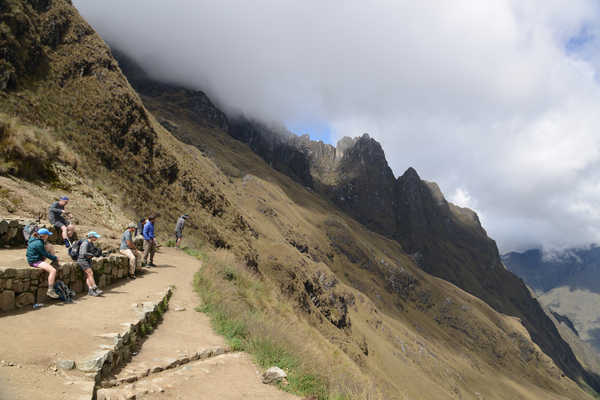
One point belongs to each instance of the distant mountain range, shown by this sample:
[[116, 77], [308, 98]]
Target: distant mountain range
[[567, 284]]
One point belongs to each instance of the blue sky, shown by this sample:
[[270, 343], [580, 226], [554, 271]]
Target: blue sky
[[316, 130]]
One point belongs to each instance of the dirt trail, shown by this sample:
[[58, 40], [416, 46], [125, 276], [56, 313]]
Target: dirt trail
[[34, 341]]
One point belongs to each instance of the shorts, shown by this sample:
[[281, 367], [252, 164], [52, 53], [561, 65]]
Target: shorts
[[59, 224], [178, 235], [36, 264], [84, 265]]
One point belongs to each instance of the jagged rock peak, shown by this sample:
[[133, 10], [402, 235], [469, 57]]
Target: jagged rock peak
[[410, 175]]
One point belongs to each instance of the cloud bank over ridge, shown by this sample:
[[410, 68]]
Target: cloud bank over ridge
[[496, 101]]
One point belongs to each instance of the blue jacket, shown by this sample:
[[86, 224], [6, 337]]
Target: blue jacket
[[36, 251], [148, 232]]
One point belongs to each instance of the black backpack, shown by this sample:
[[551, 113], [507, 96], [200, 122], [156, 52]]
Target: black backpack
[[29, 230], [74, 249], [63, 291]]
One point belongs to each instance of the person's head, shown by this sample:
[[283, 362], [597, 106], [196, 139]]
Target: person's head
[[63, 201], [131, 227], [185, 216], [93, 236], [143, 220], [152, 218], [44, 234]]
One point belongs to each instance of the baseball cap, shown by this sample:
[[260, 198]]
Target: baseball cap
[[64, 198], [93, 234], [44, 231], [131, 225]]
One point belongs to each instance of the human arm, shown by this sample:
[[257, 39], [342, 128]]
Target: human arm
[[44, 253]]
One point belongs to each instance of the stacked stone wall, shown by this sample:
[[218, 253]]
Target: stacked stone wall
[[22, 287], [11, 232]]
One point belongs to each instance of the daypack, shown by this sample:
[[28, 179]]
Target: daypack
[[29, 230], [63, 291], [74, 249]]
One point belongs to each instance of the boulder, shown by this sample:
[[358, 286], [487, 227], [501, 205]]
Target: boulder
[[7, 300], [65, 364], [274, 375]]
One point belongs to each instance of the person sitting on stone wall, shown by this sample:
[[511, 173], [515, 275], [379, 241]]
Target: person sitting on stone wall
[[87, 251], [179, 229], [37, 253], [129, 249], [149, 241], [56, 215]]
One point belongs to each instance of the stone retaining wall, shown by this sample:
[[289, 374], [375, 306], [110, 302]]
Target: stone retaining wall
[[11, 232], [22, 287]]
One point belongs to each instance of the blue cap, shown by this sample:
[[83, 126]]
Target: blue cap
[[93, 234], [44, 231], [64, 198]]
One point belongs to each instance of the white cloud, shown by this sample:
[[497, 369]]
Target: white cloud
[[481, 95]]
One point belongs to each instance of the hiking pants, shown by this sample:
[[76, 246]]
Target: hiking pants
[[134, 259], [149, 250]]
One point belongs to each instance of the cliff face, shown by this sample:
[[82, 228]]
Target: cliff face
[[445, 240]]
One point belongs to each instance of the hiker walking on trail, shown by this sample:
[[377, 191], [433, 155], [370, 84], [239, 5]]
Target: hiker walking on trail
[[129, 249], [179, 229], [56, 215], [149, 242], [37, 254], [86, 252]]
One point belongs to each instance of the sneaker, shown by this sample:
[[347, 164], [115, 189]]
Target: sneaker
[[92, 292], [52, 293], [98, 291]]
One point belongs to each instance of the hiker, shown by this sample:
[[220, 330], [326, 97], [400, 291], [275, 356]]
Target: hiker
[[129, 249], [149, 241], [87, 250], [56, 215], [179, 229], [139, 227], [37, 254]]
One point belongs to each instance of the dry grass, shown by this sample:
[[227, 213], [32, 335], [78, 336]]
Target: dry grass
[[30, 152], [253, 317]]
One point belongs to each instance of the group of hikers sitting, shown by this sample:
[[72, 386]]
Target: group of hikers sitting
[[39, 248]]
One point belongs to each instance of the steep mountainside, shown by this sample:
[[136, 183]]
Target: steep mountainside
[[445, 240], [373, 323]]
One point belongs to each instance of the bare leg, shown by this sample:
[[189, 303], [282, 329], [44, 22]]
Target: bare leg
[[51, 273], [64, 232], [89, 278]]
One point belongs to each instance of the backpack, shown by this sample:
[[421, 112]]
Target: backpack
[[74, 249], [63, 291], [29, 230]]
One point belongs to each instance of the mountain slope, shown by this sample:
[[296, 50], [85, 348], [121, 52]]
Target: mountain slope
[[372, 319], [445, 240]]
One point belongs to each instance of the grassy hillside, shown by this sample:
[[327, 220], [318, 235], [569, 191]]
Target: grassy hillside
[[285, 267]]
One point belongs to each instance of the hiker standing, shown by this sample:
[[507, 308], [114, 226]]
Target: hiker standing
[[37, 255], [87, 251], [149, 241], [179, 229], [56, 215], [129, 249]]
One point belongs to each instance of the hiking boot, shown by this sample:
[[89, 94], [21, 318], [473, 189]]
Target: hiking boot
[[67, 243], [98, 291], [152, 264], [52, 293], [144, 264], [92, 292], [132, 276]]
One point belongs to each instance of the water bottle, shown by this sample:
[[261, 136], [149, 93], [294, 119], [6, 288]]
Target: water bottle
[[38, 305]]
